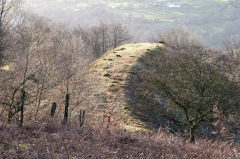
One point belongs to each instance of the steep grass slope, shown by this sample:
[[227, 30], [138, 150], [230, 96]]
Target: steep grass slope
[[108, 82]]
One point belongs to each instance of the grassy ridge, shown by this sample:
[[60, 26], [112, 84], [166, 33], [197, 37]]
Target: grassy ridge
[[108, 81]]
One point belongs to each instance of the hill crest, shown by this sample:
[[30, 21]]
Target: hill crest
[[107, 82]]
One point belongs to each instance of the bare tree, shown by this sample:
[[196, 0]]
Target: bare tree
[[37, 64], [30, 36], [104, 30], [8, 13], [190, 86], [194, 90], [119, 35], [233, 46], [102, 37], [180, 38]]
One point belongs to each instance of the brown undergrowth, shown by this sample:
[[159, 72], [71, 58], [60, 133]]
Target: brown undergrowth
[[49, 139]]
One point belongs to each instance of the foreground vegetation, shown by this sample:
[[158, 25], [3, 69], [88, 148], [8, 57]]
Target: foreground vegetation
[[48, 139]]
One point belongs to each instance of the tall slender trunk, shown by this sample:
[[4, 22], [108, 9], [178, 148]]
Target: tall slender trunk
[[66, 109], [22, 108], [39, 103], [192, 130], [40, 97]]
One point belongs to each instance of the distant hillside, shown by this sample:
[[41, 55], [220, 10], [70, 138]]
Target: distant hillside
[[214, 20]]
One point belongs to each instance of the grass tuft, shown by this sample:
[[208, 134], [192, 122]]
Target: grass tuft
[[107, 75]]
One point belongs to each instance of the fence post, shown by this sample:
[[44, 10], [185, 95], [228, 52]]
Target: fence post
[[81, 117], [66, 109], [53, 109], [22, 108], [109, 122]]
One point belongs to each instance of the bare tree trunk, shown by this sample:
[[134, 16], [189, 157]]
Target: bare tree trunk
[[66, 109], [40, 97], [39, 103], [22, 108], [193, 128]]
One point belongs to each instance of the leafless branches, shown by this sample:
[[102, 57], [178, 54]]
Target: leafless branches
[[119, 35], [9, 12], [193, 84], [100, 38], [43, 58]]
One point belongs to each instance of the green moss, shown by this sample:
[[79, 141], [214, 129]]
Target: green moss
[[127, 108], [121, 49], [106, 68], [107, 75]]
